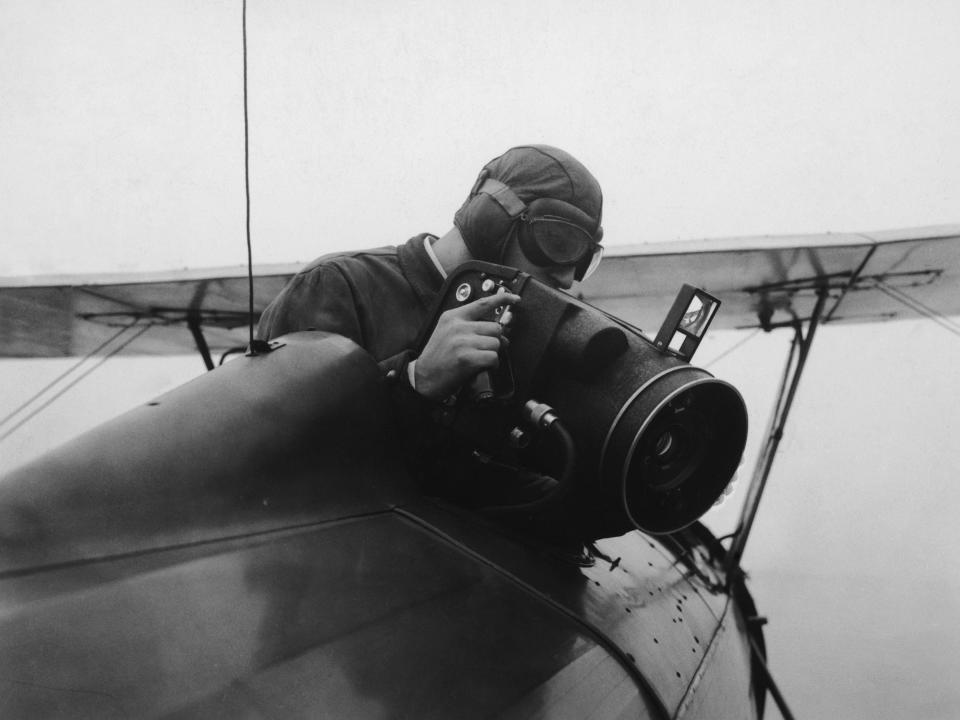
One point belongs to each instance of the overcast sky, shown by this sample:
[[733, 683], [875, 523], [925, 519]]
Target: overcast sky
[[122, 132], [121, 140]]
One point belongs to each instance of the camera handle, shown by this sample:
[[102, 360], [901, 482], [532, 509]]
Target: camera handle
[[484, 386]]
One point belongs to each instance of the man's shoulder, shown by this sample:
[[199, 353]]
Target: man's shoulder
[[384, 256], [408, 262], [353, 259]]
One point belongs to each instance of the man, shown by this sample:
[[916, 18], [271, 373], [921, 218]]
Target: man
[[535, 208]]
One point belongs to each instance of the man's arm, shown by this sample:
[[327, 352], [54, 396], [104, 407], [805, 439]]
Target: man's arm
[[465, 341]]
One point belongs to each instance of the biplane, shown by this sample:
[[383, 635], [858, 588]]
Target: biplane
[[248, 545]]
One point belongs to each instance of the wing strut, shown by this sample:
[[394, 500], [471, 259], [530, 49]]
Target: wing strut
[[193, 322], [796, 360], [768, 679]]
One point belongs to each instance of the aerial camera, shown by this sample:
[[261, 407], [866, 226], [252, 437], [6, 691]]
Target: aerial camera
[[650, 440]]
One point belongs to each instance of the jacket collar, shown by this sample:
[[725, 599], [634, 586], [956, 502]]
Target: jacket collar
[[419, 269]]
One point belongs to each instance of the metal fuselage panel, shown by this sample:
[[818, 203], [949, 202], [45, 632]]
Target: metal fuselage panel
[[371, 617], [658, 605]]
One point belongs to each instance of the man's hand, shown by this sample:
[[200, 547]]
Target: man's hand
[[465, 341]]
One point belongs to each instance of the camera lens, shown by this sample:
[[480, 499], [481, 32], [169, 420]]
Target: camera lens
[[674, 453], [684, 456]]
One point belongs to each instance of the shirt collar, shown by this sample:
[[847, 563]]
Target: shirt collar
[[428, 246]]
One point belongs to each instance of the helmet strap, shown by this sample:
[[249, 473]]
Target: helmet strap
[[504, 197]]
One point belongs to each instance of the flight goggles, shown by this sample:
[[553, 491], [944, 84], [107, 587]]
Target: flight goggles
[[552, 232]]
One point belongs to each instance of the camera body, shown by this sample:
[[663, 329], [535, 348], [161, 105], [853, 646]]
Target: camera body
[[656, 440]]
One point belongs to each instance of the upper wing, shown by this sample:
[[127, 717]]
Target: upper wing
[[869, 276], [61, 315]]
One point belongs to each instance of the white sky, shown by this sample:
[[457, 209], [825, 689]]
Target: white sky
[[121, 148], [121, 132]]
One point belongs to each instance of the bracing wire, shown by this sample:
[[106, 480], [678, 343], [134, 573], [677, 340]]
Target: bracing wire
[[932, 311], [33, 398], [920, 308], [740, 343], [73, 382]]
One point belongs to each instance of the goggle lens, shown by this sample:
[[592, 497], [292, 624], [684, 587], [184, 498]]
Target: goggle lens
[[550, 239], [594, 264], [561, 241]]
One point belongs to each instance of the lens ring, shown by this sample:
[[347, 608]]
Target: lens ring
[[672, 495]]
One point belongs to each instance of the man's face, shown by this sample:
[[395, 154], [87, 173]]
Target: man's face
[[556, 276]]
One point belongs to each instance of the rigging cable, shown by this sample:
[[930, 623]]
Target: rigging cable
[[73, 382], [918, 307], [735, 346], [26, 403]]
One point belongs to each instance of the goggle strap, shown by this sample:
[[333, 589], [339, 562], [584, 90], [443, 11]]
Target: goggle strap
[[504, 196], [562, 221]]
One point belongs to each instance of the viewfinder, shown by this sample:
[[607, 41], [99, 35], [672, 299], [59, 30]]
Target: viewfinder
[[687, 322]]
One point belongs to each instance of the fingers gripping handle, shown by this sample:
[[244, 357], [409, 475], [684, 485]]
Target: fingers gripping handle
[[465, 335], [483, 388]]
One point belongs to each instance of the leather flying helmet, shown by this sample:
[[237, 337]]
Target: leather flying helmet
[[545, 197]]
